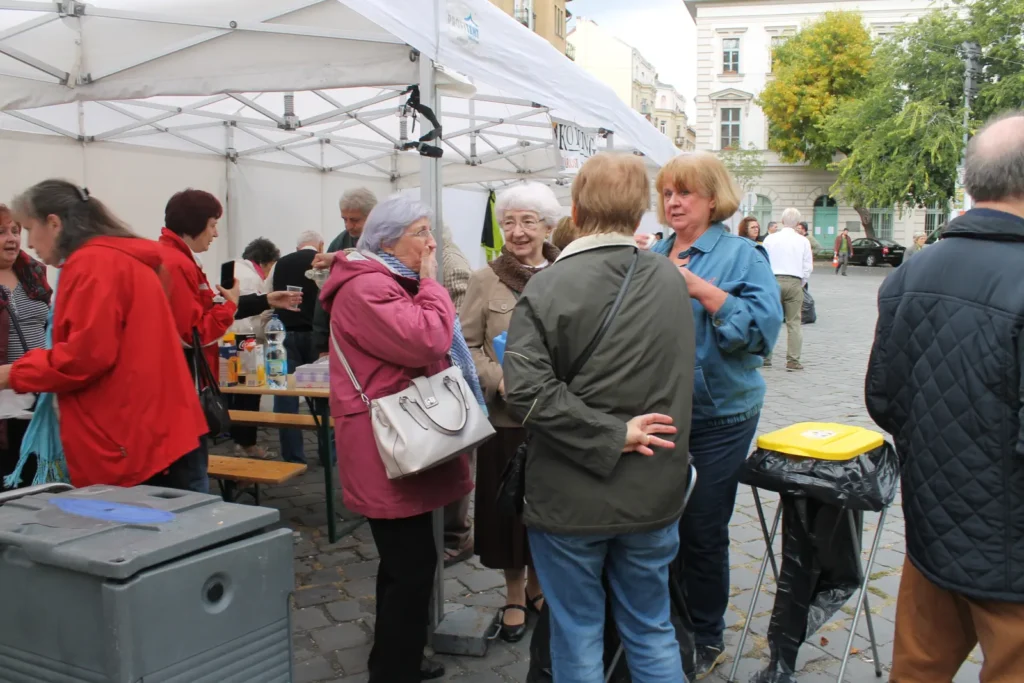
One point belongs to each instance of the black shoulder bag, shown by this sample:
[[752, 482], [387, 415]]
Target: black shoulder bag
[[512, 488], [218, 419]]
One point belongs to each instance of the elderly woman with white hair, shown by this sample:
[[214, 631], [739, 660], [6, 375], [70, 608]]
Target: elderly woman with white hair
[[527, 215], [394, 322]]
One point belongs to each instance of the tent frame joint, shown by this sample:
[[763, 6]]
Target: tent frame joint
[[71, 8]]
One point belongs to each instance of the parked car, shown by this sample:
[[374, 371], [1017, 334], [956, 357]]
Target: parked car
[[869, 251]]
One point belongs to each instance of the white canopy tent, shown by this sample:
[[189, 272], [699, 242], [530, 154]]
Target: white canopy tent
[[280, 105]]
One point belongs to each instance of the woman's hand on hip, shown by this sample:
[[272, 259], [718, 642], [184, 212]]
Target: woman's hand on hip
[[641, 433]]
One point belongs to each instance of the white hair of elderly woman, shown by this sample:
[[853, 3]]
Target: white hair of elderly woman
[[530, 197], [308, 238], [790, 217], [389, 220]]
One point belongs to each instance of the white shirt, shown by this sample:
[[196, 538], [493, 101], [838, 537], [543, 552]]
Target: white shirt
[[789, 253]]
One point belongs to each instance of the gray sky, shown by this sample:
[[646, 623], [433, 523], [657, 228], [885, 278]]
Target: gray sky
[[661, 29]]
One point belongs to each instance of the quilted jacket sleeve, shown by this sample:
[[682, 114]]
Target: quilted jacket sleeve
[[876, 393], [1020, 372]]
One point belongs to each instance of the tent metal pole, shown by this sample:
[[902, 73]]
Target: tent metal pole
[[430, 194]]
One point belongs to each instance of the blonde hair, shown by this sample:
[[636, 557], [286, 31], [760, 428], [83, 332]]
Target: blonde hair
[[564, 234], [705, 174], [611, 192]]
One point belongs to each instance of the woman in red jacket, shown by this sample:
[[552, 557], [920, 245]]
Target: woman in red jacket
[[128, 408], [190, 221]]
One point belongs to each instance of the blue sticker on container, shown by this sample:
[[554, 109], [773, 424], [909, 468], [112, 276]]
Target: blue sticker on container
[[107, 511]]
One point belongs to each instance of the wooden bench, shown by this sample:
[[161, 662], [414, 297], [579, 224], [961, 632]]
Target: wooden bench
[[230, 471], [266, 420]]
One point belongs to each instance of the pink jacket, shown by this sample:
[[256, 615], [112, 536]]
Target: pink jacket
[[391, 330]]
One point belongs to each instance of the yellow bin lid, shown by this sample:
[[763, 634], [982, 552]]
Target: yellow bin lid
[[821, 440]]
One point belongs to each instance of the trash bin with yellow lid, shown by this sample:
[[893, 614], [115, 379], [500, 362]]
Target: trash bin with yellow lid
[[851, 467], [827, 475]]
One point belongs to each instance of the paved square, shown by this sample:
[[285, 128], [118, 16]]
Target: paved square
[[334, 603]]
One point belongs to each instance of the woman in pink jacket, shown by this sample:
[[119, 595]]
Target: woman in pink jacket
[[394, 322]]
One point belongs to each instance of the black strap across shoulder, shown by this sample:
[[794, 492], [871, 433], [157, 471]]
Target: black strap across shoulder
[[606, 323]]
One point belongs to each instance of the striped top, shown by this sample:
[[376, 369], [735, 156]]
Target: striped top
[[32, 316]]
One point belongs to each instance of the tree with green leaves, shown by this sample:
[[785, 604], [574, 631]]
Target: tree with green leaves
[[824, 67], [745, 165], [896, 127]]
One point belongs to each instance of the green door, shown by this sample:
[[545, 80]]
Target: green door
[[826, 219]]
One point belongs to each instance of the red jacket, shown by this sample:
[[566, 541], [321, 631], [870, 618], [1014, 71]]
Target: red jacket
[[128, 407], [192, 299], [391, 330]]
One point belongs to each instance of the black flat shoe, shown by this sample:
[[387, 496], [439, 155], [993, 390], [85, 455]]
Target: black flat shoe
[[512, 634], [531, 603], [429, 669]]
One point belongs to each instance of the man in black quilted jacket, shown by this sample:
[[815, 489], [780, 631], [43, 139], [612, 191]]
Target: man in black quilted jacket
[[945, 380]]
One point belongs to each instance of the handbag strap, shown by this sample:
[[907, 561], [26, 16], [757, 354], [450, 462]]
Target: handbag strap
[[348, 369], [605, 324], [200, 367]]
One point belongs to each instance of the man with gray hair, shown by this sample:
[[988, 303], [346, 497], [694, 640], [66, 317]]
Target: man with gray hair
[[946, 380], [356, 204], [290, 274], [790, 255]]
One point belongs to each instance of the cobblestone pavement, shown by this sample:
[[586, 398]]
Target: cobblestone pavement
[[334, 604]]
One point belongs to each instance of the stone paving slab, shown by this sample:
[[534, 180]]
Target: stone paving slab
[[334, 597]]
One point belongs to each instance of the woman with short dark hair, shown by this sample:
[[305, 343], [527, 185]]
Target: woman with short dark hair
[[128, 409]]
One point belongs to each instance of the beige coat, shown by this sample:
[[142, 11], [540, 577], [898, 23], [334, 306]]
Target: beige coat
[[485, 313]]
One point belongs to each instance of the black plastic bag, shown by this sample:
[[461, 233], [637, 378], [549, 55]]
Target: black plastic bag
[[512, 486], [820, 571], [867, 482], [808, 315]]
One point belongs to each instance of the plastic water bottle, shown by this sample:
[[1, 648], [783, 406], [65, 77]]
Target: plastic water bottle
[[277, 357]]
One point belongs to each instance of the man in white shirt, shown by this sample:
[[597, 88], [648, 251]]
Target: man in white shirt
[[792, 262]]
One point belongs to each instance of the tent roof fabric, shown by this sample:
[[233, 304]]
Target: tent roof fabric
[[210, 76]]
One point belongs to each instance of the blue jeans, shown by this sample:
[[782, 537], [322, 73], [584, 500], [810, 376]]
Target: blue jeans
[[298, 346], [717, 454], [188, 473], [570, 570]]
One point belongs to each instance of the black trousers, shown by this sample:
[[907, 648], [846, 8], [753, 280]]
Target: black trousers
[[187, 473], [9, 456], [244, 436], [405, 579]]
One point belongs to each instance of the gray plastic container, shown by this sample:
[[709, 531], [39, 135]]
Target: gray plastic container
[[143, 585]]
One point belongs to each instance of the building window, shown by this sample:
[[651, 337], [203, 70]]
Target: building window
[[731, 55], [881, 221], [934, 220], [763, 212], [731, 128], [645, 107], [661, 126], [559, 22], [525, 14], [776, 42]]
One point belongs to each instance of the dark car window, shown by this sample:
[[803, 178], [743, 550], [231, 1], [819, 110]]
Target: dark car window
[[864, 243]]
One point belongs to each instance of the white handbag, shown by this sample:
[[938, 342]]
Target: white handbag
[[434, 420]]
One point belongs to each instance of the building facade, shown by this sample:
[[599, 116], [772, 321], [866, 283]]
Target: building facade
[[670, 117], [735, 39], [547, 18], [633, 78]]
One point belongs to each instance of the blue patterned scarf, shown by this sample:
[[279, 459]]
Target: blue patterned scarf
[[459, 350]]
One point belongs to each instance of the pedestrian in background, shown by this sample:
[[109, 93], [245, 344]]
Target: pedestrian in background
[[915, 246], [842, 250], [792, 262]]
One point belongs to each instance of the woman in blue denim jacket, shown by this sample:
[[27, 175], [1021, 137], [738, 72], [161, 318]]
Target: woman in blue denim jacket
[[737, 315]]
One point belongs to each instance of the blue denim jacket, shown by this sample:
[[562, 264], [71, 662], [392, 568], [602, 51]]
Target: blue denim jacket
[[728, 386]]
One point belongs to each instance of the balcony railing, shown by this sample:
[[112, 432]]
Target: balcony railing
[[570, 51], [526, 17]]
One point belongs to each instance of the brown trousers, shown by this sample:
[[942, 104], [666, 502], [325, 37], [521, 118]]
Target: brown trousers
[[936, 629]]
